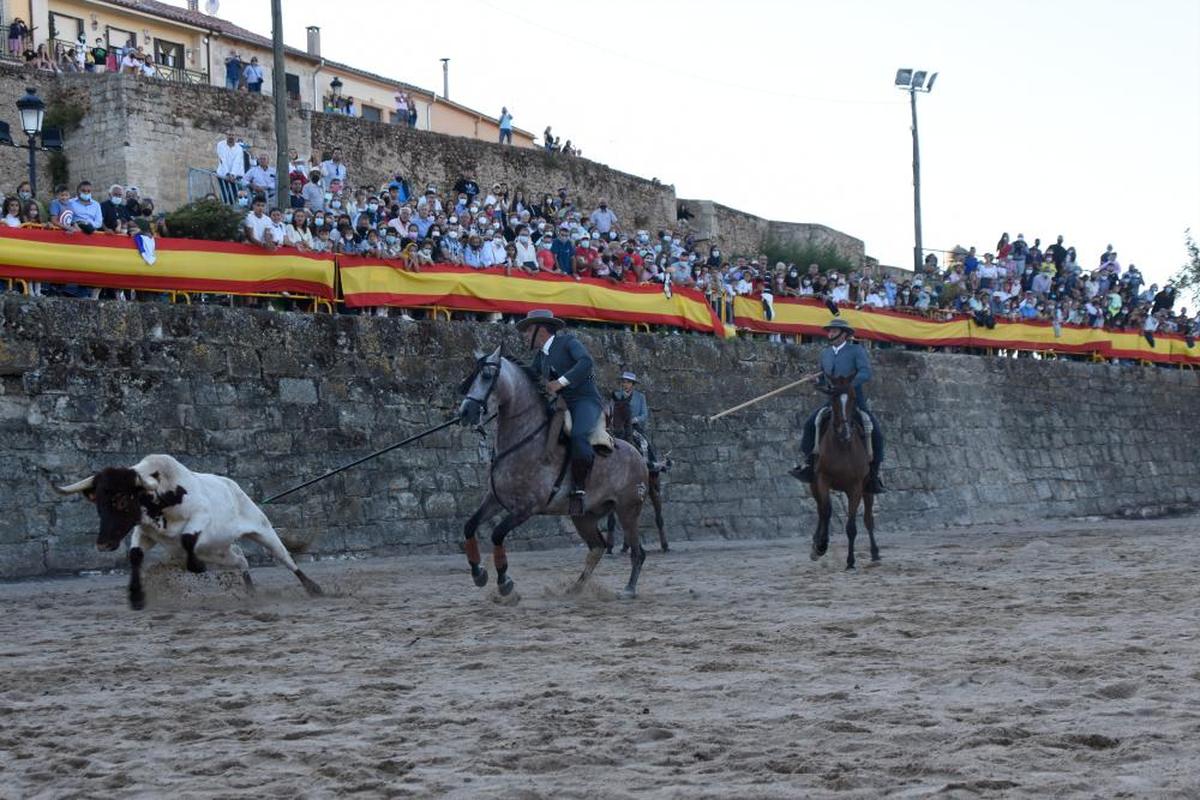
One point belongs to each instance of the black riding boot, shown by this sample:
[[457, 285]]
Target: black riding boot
[[874, 485], [580, 469], [804, 472]]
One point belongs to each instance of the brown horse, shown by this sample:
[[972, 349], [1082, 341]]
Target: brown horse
[[620, 424], [843, 465], [526, 476]]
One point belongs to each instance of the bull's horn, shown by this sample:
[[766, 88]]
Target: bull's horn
[[75, 488]]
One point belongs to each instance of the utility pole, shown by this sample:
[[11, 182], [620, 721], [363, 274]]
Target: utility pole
[[280, 84], [445, 79], [917, 248]]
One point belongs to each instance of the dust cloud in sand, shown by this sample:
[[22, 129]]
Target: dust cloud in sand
[[1035, 661]]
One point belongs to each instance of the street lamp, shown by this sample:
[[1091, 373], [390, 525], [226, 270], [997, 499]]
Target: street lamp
[[913, 81], [335, 86], [32, 111]]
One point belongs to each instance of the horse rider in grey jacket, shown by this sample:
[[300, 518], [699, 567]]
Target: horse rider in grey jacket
[[841, 359], [639, 413]]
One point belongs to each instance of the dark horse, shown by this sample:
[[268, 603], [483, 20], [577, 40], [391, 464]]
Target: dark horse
[[527, 472], [621, 425], [842, 465]]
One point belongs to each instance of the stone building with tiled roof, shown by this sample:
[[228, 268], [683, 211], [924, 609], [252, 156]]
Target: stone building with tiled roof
[[190, 46]]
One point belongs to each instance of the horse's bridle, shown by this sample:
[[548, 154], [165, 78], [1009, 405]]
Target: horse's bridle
[[480, 365]]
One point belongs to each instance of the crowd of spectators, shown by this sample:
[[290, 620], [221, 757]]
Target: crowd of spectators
[[323, 208], [82, 57]]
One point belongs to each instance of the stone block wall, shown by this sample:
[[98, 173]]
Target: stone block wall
[[273, 399], [740, 233], [374, 151]]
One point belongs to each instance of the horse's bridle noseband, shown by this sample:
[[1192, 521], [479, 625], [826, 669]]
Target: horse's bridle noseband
[[480, 365]]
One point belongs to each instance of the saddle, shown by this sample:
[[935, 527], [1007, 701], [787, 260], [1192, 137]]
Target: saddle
[[868, 428], [599, 438]]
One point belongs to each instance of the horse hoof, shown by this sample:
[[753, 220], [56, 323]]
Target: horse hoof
[[137, 601], [480, 578], [851, 568], [608, 551], [627, 594], [506, 586]]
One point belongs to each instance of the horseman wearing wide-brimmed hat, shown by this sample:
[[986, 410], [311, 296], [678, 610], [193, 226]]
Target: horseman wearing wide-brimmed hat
[[566, 369], [841, 359], [639, 418]]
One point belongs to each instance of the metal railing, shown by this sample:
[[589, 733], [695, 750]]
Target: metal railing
[[27, 43]]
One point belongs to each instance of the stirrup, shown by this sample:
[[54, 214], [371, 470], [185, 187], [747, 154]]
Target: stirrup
[[805, 473]]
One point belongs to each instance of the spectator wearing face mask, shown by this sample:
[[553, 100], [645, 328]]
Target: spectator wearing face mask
[[116, 216], [526, 253], [476, 255], [499, 248], [297, 233], [88, 215]]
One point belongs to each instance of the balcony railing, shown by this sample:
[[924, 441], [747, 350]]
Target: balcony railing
[[161, 71]]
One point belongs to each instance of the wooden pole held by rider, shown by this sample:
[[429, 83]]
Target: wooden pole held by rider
[[761, 397]]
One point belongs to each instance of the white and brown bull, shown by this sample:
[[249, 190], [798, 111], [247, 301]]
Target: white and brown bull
[[197, 516]]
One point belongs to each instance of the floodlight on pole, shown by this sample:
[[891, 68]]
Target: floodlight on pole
[[913, 81]]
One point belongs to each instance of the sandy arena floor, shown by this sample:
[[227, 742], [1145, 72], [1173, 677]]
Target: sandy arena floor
[[1058, 660]]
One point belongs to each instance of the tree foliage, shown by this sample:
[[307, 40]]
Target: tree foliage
[[206, 219], [826, 257], [1187, 279]]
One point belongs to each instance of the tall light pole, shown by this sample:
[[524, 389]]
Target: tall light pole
[[32, 111], [912, 82], [280, 84], [445, 79]]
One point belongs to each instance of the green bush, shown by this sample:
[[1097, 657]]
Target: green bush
[[826, 257], [68, 118], [206, 219]]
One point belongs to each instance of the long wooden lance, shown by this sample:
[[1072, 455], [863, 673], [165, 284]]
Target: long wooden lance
[[376, 454], [762, 397]]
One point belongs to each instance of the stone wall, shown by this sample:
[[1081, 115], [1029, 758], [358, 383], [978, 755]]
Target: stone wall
[[740, 233], [272, 399], [375, 151]]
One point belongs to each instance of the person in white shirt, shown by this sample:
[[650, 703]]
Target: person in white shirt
[[603, 217], [333, 169], [148, 68], [874, 299], [499, 249], [841, 292], [297, 233], [130, 63], [257, 223], [526, 252], [261, 178]]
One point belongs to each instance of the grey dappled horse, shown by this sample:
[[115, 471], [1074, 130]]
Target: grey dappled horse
[[526, 476]]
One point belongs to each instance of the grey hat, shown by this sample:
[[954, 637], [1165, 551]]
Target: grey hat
[[839, 325], [629, 376], [542, 317]]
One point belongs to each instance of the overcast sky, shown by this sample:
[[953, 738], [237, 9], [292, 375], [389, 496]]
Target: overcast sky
[[1079, 117]]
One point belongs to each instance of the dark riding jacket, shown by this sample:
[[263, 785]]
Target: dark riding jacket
[[570, 359], [850, 360]]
